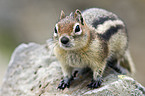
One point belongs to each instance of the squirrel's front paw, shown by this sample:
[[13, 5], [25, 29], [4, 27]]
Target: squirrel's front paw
[[95, 83], [63, 84]]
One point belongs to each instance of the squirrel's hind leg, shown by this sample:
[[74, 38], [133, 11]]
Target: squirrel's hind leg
[[115, 64]]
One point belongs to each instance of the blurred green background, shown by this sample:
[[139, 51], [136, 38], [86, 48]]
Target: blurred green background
[[23, 21]]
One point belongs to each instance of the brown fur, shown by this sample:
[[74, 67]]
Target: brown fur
[[89, 49]]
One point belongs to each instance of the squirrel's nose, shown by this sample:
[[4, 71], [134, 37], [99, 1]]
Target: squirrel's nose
[[64, 40]]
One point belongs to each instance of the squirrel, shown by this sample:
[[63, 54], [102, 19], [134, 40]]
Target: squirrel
[[94, 38]]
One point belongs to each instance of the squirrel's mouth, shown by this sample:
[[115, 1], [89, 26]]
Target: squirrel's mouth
[[67, 46]]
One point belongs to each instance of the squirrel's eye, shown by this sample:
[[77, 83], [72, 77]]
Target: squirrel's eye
[[77, 29], [55, 30]]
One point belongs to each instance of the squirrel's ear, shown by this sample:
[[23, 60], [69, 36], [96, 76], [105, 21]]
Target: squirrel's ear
[[62, 15], [78, 16]]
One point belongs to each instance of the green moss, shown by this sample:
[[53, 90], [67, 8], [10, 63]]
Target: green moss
[[7, 41]]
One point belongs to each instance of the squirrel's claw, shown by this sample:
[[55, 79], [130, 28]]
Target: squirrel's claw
[[95, 83], [63, 84]]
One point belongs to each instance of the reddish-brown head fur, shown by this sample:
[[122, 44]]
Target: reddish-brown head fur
[[71, 31], [65, 25]]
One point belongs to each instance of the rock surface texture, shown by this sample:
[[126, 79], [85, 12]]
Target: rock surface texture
[[34, 71]]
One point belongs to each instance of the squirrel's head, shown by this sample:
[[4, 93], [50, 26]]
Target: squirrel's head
[[71, 31]]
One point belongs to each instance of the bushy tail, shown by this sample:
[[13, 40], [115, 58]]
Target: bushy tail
[[127, 63]]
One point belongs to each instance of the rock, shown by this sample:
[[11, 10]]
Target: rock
[[34, 71]]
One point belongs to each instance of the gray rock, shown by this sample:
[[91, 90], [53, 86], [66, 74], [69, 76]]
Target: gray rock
[[34, 71]]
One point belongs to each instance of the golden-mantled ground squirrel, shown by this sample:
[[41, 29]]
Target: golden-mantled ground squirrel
[[93, 38]]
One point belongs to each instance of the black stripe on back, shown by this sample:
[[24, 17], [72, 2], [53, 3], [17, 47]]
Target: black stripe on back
[[111, 31], [101, 20]]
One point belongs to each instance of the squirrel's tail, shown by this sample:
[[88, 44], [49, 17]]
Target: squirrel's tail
[[127, 63]]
